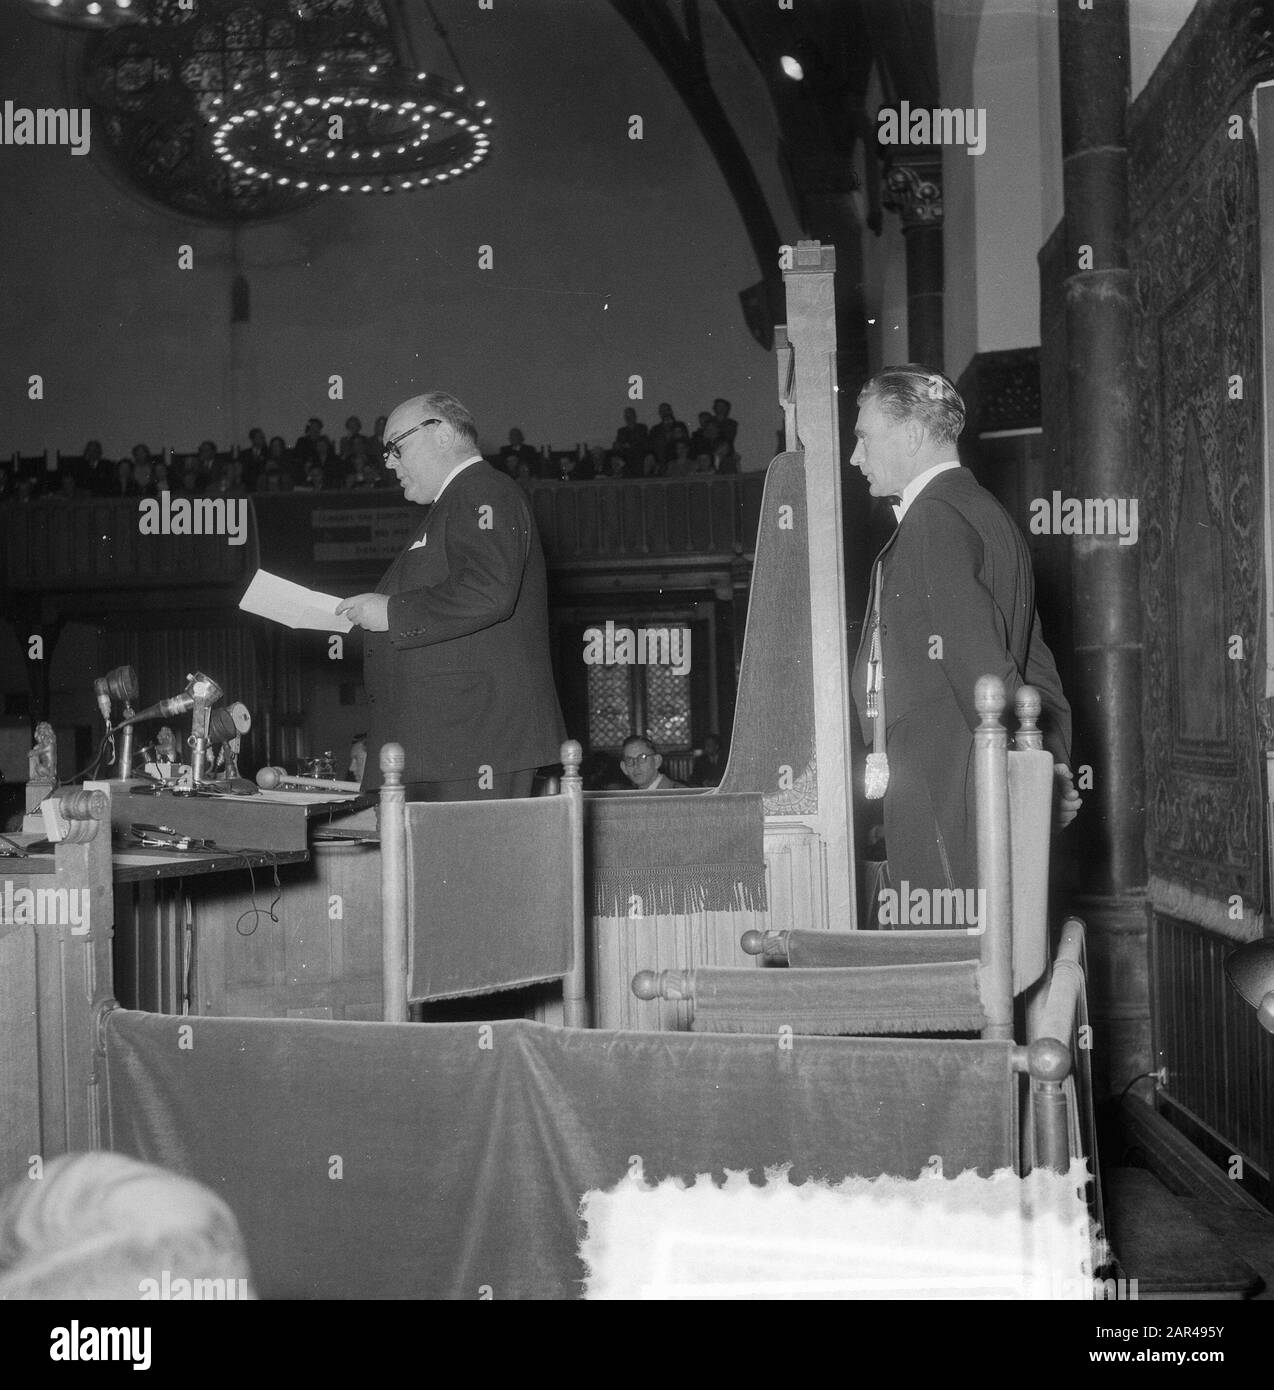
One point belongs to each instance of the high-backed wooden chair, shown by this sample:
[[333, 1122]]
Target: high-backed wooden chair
[[897, 982], [482, 896], [55, 978]]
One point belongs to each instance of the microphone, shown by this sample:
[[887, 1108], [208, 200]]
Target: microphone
[[229, 722], [103, 693], [200, 690], [119, 684]]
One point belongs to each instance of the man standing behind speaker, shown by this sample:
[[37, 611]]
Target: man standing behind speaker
[[952, 599], [456, 660]]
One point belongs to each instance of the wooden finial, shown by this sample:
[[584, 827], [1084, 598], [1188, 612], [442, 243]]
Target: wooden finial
[[646, 985], [1027, 705], [572, 755], [989, 699], [392, 762], [753, 942]]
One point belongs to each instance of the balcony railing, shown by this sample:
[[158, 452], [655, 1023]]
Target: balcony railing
[[55, 545]]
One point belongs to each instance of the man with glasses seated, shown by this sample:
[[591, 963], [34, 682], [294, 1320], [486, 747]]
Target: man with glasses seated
[[456, 658], [641, 762]]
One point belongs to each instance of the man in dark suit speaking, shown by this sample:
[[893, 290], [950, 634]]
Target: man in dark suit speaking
[[953, 599], [456, 660]]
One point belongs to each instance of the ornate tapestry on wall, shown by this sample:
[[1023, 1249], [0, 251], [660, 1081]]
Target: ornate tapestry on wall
[[1196, 257]]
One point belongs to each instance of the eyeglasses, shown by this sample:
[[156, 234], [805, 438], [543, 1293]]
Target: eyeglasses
[[637, 758], [390, 450]]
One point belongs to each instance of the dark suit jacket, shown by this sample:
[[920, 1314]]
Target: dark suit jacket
[[463, 677], [956, 569]]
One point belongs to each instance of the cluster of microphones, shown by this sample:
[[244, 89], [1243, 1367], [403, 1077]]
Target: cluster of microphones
[[214, 743]]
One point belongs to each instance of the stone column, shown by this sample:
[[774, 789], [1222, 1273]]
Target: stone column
[[1105, 583], [913, 189]]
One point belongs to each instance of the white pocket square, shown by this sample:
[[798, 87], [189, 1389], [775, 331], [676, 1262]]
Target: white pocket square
[[417, 545]]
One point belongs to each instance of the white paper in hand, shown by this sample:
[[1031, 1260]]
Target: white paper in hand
[[292, 605]]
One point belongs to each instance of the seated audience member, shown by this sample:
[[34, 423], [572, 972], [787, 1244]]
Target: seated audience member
[[701, 462], [207, 457], [724, 459], [377, 441], [709, 766], [726, 427], [641, 761], [357, 758], [616, 465], [702, 440], [226, 478], [189, 477], [333, 469], [67, 490], [650, 465], [661, 435], [353, 431], [304, 448], [162, 481], [524, 477], [564, 468], [314, 480], [124, 484], [144, 475], [25, 488], [98, 472], [679, 462], [103, 1227], [363, 472], [630, 438], [277, 452], [254, 457], [517, 449]]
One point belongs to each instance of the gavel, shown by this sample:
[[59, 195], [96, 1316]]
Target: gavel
[[271, 779]]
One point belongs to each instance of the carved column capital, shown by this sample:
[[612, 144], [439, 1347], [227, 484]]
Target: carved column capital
[[913, 189]]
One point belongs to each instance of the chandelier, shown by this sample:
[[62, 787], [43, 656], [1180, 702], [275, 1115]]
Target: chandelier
[[235, 110], [84, 14], [347, 128]]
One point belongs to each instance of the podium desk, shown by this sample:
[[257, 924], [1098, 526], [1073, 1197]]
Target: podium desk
[[193, 932]]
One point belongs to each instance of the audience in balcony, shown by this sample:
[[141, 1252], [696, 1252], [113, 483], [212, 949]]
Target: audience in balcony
[[353, 432], [667, 449], [516, 451], [304, 448], [662, 434], [631, 437], [679, 462], [726, 427]]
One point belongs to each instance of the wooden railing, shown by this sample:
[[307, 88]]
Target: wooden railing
[[652, 518], [57, 546]]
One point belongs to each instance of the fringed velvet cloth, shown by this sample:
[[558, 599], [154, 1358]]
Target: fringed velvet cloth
[[933, 998], [659, 854], [449, 1160]]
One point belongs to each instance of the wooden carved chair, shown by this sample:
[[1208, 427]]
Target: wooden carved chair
[[481, 896]]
